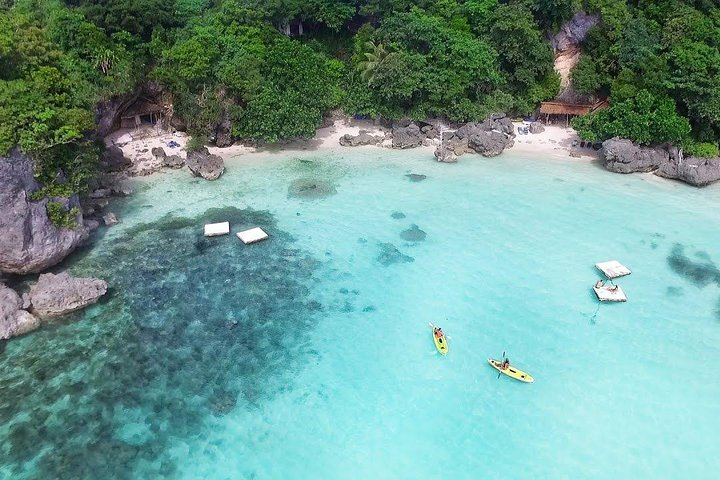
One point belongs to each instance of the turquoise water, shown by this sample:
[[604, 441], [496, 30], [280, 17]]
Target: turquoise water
[[310, 355]]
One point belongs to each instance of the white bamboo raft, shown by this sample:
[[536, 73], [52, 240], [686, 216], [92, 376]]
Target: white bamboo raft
[[613, 269], [216, 229], [253, 235], [610, 293]]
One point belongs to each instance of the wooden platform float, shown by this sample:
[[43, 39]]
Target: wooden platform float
[[610, 293], [253, 235], [216, 229], [613, 269]]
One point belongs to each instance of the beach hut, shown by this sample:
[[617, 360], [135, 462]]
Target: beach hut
[[557, 111], [141, 112]]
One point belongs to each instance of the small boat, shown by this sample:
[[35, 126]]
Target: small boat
[[440, 340], [511, 371]]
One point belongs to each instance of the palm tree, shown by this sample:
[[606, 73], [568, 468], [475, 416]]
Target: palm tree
[[376, 57]]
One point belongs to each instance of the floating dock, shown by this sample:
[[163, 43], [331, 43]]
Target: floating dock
[[610, 293], [216, 229], [613, 269], [253, 235]]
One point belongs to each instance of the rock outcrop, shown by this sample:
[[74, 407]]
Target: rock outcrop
[[202, 164], [574, 31], [623, 156], [362, 138], [14, 320], [173, 161], [114, 160], [409, 136], [158, 153], [55, 295], [223, 132], [536, 127], [29, 242], [488, 138]]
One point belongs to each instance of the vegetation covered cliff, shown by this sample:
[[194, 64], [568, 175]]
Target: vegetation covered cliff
[[269, 69]]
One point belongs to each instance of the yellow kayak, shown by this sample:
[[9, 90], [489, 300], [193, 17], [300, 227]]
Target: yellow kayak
[[440, 341], [511, 371]]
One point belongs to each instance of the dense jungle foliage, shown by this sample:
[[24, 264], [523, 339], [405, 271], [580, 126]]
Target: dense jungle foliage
[[229, 61]]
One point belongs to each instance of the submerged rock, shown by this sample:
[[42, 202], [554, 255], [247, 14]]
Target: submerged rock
[[416, 177], [202, 164], [389, 255], [397, 215], [14, 320], [413, 234], [55, 295], [310, 188], [29, 242]]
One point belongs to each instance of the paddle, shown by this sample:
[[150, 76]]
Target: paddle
[[500, 373]]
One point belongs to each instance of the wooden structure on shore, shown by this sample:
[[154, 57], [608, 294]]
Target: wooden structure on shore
[[568, 110], [141, 111]]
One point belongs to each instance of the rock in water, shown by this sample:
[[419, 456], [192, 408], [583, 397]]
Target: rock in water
[[13, 320], [110, 219], [29, 242], [623, 156], [55, 295], [446, 154], [204, 165], [488, 144]]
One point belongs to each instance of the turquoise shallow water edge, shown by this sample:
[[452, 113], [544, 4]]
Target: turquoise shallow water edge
[[310, 355]]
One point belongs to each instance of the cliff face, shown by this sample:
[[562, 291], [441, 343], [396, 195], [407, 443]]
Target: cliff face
[[29, 242]]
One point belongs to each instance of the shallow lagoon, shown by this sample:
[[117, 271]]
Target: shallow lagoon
[[310, 354]]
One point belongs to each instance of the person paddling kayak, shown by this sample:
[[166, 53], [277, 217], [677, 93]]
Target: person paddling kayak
[[438, 332], [505, 364]]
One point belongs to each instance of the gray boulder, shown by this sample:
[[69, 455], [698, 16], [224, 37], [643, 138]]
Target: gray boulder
[[444, 153], [623, 156], [536, 127], [204, 165], [223, 136], [695, 171], [407, 137], [173, 161], [29, 242], [363, 138], [110, 219], [158, 153], [113, 159], [14, 320], [489, 144], [55, 295]]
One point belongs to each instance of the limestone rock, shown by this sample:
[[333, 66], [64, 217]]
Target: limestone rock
[[173, 161], [623, 156], [158, 153], [29, 241], [407, 136], [536, 127], [363, 138], [488, 144], [55, 295], [113, 159], [695, 171], [110, 219], [204, 165], [574, 31], [445, 154], [14, 320]]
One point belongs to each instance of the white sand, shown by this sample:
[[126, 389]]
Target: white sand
[[555, 140], [137, 144]]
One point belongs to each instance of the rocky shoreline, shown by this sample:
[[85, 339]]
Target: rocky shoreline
[[31, 243]]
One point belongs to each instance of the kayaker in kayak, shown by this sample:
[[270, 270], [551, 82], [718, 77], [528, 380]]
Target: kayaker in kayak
[[505, 364], [438, 332]]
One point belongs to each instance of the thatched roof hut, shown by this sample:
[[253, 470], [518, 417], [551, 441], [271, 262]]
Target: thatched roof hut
[[569, 110]]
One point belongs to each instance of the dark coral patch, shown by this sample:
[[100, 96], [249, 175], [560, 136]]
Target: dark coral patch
[[413, 234]]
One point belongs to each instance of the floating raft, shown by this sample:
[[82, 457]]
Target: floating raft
[[216, 229], [613, 269], [610, 294], [253, 235]]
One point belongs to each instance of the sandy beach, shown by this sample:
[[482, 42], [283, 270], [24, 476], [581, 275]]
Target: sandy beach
[[137, 144]]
